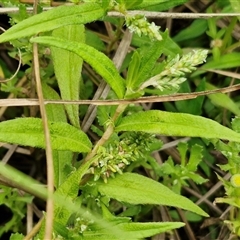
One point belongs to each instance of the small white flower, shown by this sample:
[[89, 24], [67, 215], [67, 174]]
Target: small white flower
[[141, 26]]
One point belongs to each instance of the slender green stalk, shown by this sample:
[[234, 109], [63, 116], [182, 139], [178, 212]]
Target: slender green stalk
[[107, 134]]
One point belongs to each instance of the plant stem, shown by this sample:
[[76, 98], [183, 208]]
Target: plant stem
[[35, 230], [107, 134]]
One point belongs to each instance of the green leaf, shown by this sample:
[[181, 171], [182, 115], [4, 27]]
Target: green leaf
[[99, 62], [128, 229], [37, 189], [149, 56], [131, 211], [93, 40], [176, 124], [192, 106], [236, 6], [29, 132], [105, 114], [60, 229], [105, 4], [55, 112], [182, 149], [144, 63], [70, 190], [169, 49], [229, 60], [62, 160], [132, 4], [10, 198], [195, 158], [191, 217], [133, 69], [236, 124], [159, 5], [222, 100], [136, 189], [196, 178], [144, 230], [17, 236], [52, 19], [68, 67], [134, 231], [197, 28]]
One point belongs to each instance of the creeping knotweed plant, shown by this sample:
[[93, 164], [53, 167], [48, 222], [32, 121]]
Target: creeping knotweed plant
[[175, 69], [131, 147], [141, 26]]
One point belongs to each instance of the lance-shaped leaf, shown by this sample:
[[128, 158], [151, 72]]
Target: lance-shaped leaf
[[236, 6], [98, 61], [143, 62], [176, 124], [52, 19], [159, 5], [70, 188], [20, 180], [55, 112], [222, 100], [133, 231], [67, 68], [62, 160], [229, 60], [137, 189], [29, 132]]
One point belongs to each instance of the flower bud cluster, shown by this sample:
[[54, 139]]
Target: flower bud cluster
[[175, 69], [81, 224], [113, 158], [139, 24], [135, 23]]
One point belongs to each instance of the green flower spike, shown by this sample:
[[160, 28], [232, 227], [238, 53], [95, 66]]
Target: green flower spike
[[175, 69], [115, 156]]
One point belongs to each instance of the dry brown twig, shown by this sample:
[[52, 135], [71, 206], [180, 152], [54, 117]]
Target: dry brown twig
[[104, 88], [148, 14], [164, 98], [49, 156], [18, 68]]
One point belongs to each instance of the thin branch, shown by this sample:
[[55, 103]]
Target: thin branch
[[148, 14], [9, 153], [29, 217], [103, 89], [34, 231], [206, 201], [18, 68], [213, 189], [106, 135], [11, 95], [49, 157], [164, 98]]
